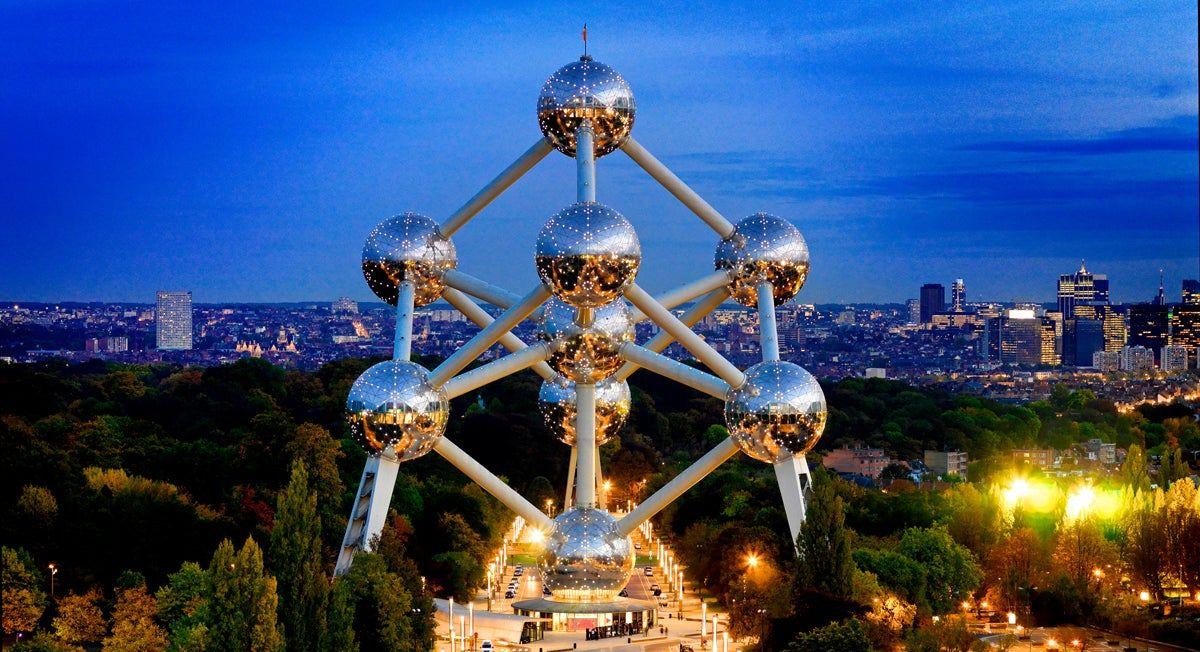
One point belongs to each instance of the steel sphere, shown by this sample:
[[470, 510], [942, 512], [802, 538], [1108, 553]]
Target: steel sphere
[[586, 90], [587, 254], [586, 559], [586, 354], [407, 247], [556, 400], [392, 405], [778, 413], [764, 247]]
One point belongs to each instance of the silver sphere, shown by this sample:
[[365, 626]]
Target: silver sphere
[[586, 90], [586, 354], [392, 405], [587, 254], [764, 247], [778, 413], [407, 247], [556, 400], [586, 559]]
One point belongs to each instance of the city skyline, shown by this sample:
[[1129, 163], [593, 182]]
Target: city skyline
[[254, 152]]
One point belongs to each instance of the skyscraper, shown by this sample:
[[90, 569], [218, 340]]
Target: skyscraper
[[1081, 288], [933, 301], [1021, 337], [173, 321], [914, 311], [1149, 326], [1115, 331], [1082, 338], [958, 296], [1160, 299], [1191, 292], [1185, 328]]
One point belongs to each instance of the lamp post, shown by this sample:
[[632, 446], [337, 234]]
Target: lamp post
[[53, 571]]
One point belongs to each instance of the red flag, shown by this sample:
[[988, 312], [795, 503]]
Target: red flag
[[585, 34]]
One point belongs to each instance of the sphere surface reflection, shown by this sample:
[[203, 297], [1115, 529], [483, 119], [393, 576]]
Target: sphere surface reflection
[[586, 90], [407, 247], [393, 406], [779, 412], [585, 558]]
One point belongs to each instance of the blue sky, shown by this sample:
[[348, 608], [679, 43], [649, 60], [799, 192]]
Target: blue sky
[[244, 153]]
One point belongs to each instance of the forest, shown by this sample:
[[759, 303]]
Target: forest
[[159, 507]]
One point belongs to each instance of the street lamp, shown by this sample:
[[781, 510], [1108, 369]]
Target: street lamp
[[752, 560]]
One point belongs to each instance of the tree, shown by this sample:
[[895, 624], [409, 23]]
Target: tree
[[134, 628], [183, 607], [1171, 468], [976, 518], [1017, 563], [951, 571], [79, 620], [243, 602], [296, 560], [381, 606], [1181, 527], [20, 584], [896, 572], [823, 546], [37, 505], [1146, 538], [312, 446], [1079, 547], [945, 635], [1133, 471], [845, 636]]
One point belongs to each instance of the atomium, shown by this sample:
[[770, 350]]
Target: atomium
[[407, 247], [778, 413], [393, 406], [764, 247], [587, 254], [586, 354], [586, 558], [556, 400], [586, 90]]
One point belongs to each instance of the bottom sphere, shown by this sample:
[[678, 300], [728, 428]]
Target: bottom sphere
[[586, 559]]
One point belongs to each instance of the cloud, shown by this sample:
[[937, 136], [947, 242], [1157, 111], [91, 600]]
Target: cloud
[[1178, 135]]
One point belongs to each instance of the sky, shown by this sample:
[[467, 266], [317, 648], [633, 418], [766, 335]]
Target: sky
[[245, 152]]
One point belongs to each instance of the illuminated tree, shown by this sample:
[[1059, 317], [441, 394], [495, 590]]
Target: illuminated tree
[[79, 619], [243, 602], [1079, 547], [951, 571], [134, 626], [1146, 539], [1133, 472], [23, 599], [1016, 563], [1180, 516]]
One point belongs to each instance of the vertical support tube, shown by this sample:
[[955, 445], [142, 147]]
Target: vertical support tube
[[585, 162], [570, 493], [601, 493], [794, 479], [585, 443], [406, 293], [768, 334]]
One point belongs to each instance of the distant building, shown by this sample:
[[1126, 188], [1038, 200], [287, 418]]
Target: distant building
[[106, 344], [1174, 358], [1149, 326], [958, 296], [1107, 361], [1115, 331], [1081, 287], [955, 320], [1101, 452], [1042, 458], [1020, 337], [1185, 329], [1082, 338], [945, 463], [1137, 359], [914, 311], [345, 306], [862, 461], [1191, 292], [173, 321], [933, 301], [875, 372], [846, 317]]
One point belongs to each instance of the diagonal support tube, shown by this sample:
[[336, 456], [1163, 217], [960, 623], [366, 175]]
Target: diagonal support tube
[[768, 334], [662, 339], [480, 289], [690, 341], [678, 486], [496, 369], [677, 187], [684, 293], [508, 177], [491, 484], [675, 370], [488, 336], [482, 319]]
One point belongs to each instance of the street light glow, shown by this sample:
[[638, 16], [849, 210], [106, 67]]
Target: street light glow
[[752, 560]]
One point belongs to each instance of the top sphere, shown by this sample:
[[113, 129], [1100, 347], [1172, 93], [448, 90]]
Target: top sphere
[[586, 90], [779, 412], [407, 247], [392, 405], [764, 247], [587, 254]]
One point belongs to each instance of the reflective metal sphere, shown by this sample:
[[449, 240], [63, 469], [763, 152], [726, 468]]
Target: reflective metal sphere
[[556, 400], [764, 248], [586, 90], [586, 354], [778, 413], [587, 254], [392, 405], [407, 247], [586, 559]]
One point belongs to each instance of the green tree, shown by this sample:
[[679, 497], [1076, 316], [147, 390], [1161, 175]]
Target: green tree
[[1171, 468], [844, 636], [296, 560], [243, 601], [38, 506], [381, 607], [183, 606], [823, 545], [951, 571], [1134, 474], [24, 601], [898, 573]]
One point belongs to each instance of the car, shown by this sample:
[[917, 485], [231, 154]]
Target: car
[[486, 646], [649, 572], [657, 591], [509, 594]]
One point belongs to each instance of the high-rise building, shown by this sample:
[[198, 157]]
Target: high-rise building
[[1149, 326], [1185, 328], [1174, 358], [1191, 292], [1082, 338], [173, 321], [933, 301], [914, 311], [1081, 287], [1160, 299], [1137, 359], [1107, 361], [1021, 337], [1115, 330], [958, 296]]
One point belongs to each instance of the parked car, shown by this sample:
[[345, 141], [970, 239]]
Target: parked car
[[509, 594], [649, 571], [486, 646]]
